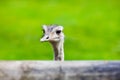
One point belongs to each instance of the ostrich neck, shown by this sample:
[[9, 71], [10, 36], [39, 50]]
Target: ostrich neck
[[58, 50]]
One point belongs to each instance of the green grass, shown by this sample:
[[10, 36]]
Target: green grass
[[91, 27]]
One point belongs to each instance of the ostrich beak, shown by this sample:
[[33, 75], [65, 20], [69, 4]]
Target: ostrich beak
[[44, 38]]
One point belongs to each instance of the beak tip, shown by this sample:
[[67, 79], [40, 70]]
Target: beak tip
[[41, 40]]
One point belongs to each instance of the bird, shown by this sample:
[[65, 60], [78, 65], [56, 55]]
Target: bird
[[55, 36]]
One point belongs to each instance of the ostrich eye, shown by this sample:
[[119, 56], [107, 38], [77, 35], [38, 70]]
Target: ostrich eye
[[43, 31], [58, 31]]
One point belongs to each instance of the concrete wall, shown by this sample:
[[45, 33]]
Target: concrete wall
[[51, 70]]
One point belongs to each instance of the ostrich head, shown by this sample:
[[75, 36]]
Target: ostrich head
[[52, 33]]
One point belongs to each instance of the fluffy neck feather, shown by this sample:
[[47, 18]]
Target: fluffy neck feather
[[58, 50]]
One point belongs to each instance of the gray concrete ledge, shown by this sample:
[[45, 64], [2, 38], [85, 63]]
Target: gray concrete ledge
[[53, 70]]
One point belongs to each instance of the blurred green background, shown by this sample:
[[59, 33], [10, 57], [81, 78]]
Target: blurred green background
[[91, 27]]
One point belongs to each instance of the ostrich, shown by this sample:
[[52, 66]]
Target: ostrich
[[54, 35]]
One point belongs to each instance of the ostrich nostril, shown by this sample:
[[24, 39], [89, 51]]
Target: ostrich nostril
[[47, 38]]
